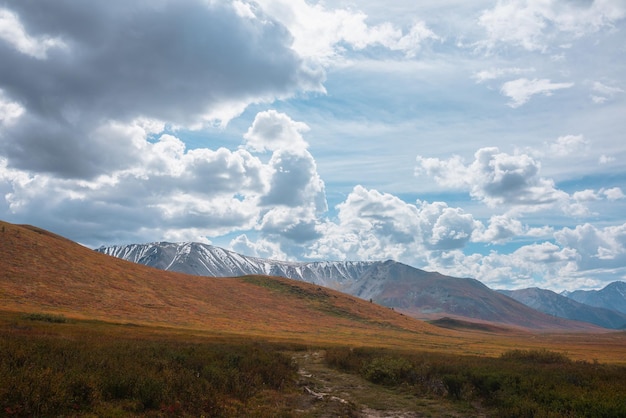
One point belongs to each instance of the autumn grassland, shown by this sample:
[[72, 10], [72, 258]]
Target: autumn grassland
[[56, 295]]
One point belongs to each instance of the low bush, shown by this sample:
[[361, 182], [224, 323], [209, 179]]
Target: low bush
[[46, 374], [59, 319], [520, 383]]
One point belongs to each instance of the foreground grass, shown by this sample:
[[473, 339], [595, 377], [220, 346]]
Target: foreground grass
[[51, 365], [520, 383], [52, 368]]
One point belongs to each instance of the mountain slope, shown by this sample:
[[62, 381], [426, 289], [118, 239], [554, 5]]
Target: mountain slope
[[552, 303], [613, 296], [425, 294], [416, 292], [42, 272]]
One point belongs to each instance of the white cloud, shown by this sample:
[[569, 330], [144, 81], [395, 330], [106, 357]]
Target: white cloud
[[606, 159], [597, 248], [603, 93], [501, 228], [585, 196], [259, 248], [321, 34], [567, 145], [181, 191], [614, 193], [521, 90], [12, 31], [375, 226], [495, 73], [534, 24], [9, 111], [272, 131], [495, 178]]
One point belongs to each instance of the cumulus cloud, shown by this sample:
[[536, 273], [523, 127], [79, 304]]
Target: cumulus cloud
[[614, 193], [261, 248], [184, 193], [495, 178], [119, 66], [374, 226], [521, 90], [534, 24], [272, 131], [501, 228], [296, 193], [596, 248], [322, 34], [200, 192]]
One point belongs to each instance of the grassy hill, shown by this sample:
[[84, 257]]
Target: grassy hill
[[45, 273]]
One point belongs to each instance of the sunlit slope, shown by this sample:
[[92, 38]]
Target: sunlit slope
[[43, 272]]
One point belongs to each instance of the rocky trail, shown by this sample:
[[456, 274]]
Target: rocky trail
[[330, 393]]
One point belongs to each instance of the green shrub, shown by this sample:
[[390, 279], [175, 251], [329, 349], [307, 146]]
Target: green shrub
[[389, 371], [58, 319], [45, 374], [520, 383], [536, 356]]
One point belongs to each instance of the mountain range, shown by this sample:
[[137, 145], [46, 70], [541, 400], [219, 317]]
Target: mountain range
[[613, 296], [421, 294], [552, 303]]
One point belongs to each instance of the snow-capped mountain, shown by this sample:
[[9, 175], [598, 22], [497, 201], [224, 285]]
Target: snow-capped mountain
[[208, 260], [419, 293]]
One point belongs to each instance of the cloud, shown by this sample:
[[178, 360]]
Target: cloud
[[535, 24], [606, 159], [259, 248], [9, 111], [195, 192], [322, 35], [495, 178], [521, 90], [373, 226], [272, 130], [567, 145], [501, 228], [296, 193], [184, 194], [13, 32], [597, 248], [614, 193], [602, 92], [495, 73], [185, 63]]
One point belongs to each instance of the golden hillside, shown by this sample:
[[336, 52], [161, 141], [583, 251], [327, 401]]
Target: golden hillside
[[42, 272]]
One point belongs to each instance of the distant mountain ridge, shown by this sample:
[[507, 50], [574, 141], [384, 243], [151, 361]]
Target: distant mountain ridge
[[419, 293], [551, 303], [613, 296]]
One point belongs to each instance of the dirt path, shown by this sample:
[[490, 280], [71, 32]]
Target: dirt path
[[330, 393]]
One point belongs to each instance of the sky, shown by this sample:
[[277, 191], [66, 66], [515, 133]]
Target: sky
[[479, 139]]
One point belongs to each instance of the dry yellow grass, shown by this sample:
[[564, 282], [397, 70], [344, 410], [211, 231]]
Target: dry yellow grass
[[43, 272]]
